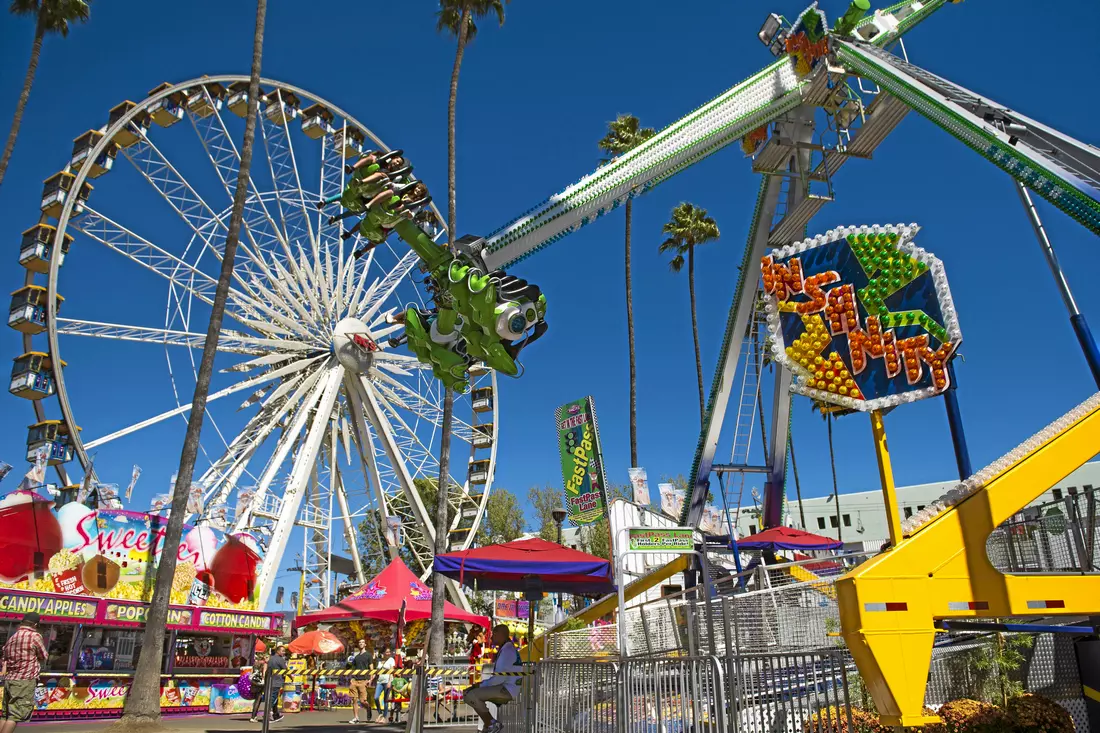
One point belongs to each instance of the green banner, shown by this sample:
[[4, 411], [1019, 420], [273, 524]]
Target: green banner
[[669, 539], [581, 461]]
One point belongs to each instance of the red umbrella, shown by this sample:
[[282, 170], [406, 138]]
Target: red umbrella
[[787, 538], [316, 642]]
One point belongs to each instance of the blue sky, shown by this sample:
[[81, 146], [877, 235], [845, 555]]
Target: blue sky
[[534, 98]]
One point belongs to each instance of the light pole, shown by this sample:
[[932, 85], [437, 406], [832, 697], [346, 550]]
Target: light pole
[[559, 517]]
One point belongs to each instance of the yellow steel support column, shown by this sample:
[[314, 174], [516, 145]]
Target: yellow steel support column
[[886, 477]]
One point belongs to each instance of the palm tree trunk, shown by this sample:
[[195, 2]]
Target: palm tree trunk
[[630, 342], [143, 700], [695, 333], [28, 81], [435, 630], [836, 491]]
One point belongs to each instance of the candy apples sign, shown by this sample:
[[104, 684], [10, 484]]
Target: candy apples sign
[[861, 316]]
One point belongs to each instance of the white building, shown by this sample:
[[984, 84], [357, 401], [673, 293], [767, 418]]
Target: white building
[[862, 517]]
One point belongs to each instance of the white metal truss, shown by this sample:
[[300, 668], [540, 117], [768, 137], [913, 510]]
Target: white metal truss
[[229, 341]]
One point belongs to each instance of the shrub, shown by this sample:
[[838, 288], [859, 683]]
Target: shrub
[[1038, 714], [832, 719], [956, 715]]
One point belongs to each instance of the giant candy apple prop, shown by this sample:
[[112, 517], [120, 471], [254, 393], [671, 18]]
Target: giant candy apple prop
[[29, 536], [234, 570]]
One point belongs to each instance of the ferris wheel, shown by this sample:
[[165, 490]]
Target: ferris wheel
[[315, 418]]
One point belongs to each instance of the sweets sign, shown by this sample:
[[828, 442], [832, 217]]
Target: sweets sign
[[861, 316], [113, 554]]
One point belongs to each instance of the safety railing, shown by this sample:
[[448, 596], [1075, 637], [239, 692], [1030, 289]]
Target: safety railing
[[593, 642], [675, 694], [573, 696], [1057, 536], [805, 692]]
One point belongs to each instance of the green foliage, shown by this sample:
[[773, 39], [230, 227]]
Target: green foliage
[[689, 227], [995, 661], [503, 519], [623, 134], [450, 13], [545, 501], [54, 15]]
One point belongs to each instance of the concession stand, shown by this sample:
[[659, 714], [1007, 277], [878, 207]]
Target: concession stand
[[90, 576]]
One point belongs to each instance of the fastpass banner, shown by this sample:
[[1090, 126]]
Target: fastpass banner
[[582, 466]]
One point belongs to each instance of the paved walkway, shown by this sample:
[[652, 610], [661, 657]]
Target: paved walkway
[[315, 722]]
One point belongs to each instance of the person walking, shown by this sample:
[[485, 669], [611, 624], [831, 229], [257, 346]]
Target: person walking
[[23, 657], [259, 673], [386, 665], [494, 687], [360, 686], [276, 670]]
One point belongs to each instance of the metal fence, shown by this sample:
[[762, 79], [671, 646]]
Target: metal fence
[[441, 701], [1051, 537], [597, 641], [806, 692]]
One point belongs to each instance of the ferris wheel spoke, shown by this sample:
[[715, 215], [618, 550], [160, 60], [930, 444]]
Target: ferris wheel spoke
[[144, 253], [227, 342], [366, 448], [286, 441], [303, 465], [411, 400], [384, 430], [223, 155], [184, 200], [373, 301], [284, 174], [241, 386]]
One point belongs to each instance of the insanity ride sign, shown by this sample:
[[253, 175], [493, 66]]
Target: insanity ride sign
[[861, 316], [582, 467]]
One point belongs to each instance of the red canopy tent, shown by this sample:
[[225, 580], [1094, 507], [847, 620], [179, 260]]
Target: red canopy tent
[[383, 597], [787, 538]]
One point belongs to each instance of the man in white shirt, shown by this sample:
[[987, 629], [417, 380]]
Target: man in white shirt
[[494, 688]]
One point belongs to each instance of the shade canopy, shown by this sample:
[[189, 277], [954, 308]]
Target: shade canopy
[[506, 567], [787, 538], [381, 599], [316, 642]]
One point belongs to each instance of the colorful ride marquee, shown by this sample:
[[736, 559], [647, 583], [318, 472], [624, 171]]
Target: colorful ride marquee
[[861, 316]]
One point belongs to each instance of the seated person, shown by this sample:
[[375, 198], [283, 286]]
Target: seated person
[[385, 210], [496, 689]]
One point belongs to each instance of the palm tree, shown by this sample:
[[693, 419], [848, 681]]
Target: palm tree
[[826, 413], [688, 228], [456, 17], [622, 135], [143, 700], [50, 16]]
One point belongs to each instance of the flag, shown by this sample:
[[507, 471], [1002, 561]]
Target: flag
[[133, 481], [244, 501], [392, 531], [35, 477], [639, 482], [85, 484], [5, 469], [194, 499]]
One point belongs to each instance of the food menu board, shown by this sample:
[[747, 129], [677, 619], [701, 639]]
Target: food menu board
[[114, 553]]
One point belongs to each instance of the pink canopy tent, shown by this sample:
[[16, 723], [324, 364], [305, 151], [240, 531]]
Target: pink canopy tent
[[383, 597]]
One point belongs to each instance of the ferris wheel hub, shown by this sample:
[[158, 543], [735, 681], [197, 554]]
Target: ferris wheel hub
[[353, 345]]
